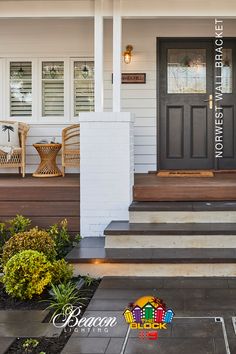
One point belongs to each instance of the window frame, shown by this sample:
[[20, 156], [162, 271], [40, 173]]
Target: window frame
[[37, 118], [72, 88], [54, 119], [2, 100], [7, 105]]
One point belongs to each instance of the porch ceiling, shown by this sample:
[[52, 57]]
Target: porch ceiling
[[130, 8]]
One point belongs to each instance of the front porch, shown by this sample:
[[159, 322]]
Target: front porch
[[120, 125], [47, 200]]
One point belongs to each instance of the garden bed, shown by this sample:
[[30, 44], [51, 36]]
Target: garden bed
[[35, 278], [45, 345]]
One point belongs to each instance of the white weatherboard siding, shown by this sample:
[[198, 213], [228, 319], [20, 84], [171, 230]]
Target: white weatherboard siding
[[68, 38]]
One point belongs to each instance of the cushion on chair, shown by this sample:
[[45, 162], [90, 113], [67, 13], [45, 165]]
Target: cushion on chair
[[9, 134]]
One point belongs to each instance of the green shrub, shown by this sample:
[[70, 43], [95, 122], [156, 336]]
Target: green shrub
[[34, 239], [27, 274], [62, 272], [18, 224], [61, 237]]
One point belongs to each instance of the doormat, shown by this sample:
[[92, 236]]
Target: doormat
[[188, 173]]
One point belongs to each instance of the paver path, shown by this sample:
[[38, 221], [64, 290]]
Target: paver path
[[24, 324], [202, 306]]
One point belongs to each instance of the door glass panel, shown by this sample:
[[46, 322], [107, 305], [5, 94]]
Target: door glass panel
[[186, 71], [227, 71]]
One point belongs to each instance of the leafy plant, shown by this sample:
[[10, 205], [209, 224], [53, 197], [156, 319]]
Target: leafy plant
[[34, 239], [3, 234], [65, 294], [62, 272], [27, 274], [19, 224], [61, 237], [88, 281], [30, 344], [77, 238]]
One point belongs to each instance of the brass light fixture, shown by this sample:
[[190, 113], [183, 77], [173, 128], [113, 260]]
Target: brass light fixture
[[128, 54]]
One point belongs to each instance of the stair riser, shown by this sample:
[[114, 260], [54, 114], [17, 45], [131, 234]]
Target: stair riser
[[182, 216], [130, 269], [170, 241]]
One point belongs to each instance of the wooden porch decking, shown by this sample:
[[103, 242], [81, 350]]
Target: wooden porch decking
[[47, 200], [150, 187], [44, 200]]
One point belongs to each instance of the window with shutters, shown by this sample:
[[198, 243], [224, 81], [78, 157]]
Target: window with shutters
[[83, 87], [20, 88], [52, 88]]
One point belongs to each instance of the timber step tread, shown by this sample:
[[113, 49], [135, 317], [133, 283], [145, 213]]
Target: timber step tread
[[125, 228], [183, 206], [93, 251]]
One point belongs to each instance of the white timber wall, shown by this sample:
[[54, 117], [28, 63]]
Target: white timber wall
[[73, 38]]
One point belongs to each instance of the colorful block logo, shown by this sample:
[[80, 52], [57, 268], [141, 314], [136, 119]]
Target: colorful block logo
[[148, 312]]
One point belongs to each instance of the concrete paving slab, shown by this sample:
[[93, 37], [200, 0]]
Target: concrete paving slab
[[28, 329], [171, 346], [5, 343], [18, 315], [86, 346]]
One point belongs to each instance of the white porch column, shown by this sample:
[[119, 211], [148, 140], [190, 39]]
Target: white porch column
[[98, 56], [117, 35], [106, 169]]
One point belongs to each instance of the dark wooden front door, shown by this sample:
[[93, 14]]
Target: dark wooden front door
[[186, 120]]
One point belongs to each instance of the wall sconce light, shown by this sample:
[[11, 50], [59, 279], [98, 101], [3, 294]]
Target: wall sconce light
[[128, 54]]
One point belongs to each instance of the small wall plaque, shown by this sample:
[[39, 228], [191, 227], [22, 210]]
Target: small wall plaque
[[133, 78]]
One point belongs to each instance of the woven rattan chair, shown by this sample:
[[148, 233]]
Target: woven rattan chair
[[70, 147], [18, 156]]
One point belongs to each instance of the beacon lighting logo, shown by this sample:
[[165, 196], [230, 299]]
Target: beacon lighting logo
[[148, 313]]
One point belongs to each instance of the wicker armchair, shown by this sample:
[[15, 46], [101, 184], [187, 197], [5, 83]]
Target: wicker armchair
[[18, 156], [70, 147]]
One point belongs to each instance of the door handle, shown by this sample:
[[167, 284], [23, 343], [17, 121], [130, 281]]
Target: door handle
[[210, 101]]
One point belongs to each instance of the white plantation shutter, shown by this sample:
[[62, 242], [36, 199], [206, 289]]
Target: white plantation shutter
[[83, 87], [53, 88], [20, 89]]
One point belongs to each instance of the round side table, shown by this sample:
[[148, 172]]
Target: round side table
[[48, 166]]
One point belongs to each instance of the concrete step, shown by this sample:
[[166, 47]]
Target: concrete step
[[182, 212], [122, 234], [91, 257]]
